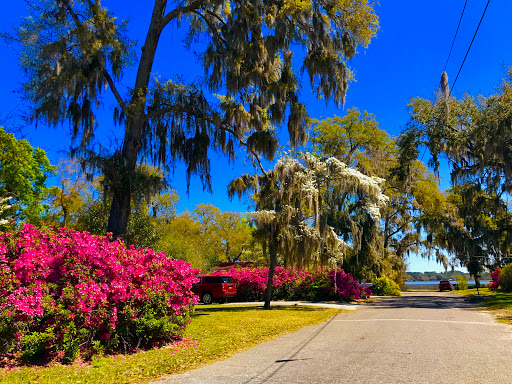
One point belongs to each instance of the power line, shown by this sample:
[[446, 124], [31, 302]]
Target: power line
[[454, 37], [473, 39]]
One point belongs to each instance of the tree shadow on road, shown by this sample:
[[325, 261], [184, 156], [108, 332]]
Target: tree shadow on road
[[431, 301]]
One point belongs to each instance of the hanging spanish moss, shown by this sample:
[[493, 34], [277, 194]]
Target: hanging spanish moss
[[290, 208]]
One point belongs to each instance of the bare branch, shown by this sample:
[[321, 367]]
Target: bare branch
[[112, 86], [74, 16]]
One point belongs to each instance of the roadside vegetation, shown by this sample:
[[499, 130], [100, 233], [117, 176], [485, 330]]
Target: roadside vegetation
[[216, 333], [295, 284], [500, 303], [497, 296], [384, 286], [106, 262]]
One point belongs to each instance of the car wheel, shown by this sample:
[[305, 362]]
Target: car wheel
[[222, 301], [207, 298]]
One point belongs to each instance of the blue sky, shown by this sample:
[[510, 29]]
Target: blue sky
[[405, 60]]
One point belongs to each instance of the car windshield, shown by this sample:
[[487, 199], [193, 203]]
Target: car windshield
[[227, 279]]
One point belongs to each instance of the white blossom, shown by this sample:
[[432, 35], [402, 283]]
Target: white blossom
[[3, 208]]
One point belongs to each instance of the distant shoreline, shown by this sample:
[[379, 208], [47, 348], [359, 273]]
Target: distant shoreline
[[436, 282]]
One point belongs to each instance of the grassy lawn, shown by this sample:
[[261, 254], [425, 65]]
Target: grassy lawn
[[216, 332], [499, 302]]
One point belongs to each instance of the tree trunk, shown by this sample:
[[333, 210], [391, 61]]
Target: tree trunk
[[122, 194], [64, 209], [136, 118], [271, 270], [119, 213], [477, 280]]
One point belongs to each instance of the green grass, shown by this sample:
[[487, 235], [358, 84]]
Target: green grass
[[218, 332], [498, 302]]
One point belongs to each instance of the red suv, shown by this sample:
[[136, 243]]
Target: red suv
[[445, 284], [214, 288]]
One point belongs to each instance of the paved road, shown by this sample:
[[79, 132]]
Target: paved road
[[421, 337]]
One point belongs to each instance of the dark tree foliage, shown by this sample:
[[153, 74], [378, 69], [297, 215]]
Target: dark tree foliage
[[73, 50]]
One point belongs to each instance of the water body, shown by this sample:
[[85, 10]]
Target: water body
[[470, 282]]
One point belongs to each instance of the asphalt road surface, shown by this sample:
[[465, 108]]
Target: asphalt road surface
[[421, 337]]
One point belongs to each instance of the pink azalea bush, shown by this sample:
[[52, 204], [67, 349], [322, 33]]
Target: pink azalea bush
[[495, 280], [65, 293], [294, 284]]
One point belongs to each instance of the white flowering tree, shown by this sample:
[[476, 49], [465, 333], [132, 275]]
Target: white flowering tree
[[4, 206], [291, 211]]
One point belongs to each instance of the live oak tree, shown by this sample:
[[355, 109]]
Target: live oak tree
[[477, 231], [291, 210], [356, 139], [72, 51], [474, 135], [226, 233]]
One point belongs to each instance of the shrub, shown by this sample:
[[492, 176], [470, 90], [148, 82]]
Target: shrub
[[65, 293], [462, 283], [495, 279], [506, 278], [384, 286], [294, 284]]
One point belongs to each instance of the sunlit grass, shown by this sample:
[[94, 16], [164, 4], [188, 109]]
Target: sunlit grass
[[498, 302], [217, 332]]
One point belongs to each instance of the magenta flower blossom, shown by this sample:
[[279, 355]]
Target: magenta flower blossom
[[294, 284], [66, 285]]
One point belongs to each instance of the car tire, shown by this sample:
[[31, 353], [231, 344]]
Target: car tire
[[207, 298], [222, 301]]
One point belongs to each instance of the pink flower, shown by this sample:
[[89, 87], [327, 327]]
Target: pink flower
[[52, 278]]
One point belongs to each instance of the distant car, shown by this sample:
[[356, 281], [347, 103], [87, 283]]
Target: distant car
[[214, 288], [445, 285]]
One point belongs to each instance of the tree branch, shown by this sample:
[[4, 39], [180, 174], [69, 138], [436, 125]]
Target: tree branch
[[398, 229], [177, 12], [112, 86], [74, 16], [159, 112], [256, 156], [210, 25], [220, 19], [163, 111]]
